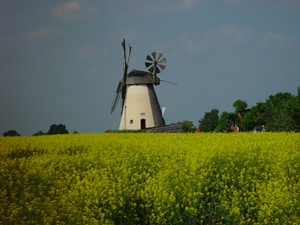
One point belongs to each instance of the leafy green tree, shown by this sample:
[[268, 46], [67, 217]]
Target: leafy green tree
[[224, 122], [58, 129], [252, 117], [11, 133], [286, 117], [240, 106], [275, 114], [249, 121], [277, 100], [39, 133], [210, 121], [187, 126], [292, 109]]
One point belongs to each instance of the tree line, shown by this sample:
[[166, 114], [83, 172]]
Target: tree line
[[279, 112], [54, 129]]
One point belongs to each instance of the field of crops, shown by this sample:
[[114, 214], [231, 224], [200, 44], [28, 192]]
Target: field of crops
[[144, 178]]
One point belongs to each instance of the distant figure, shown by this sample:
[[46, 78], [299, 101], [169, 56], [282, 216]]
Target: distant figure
[[234, 129], [259, 129]]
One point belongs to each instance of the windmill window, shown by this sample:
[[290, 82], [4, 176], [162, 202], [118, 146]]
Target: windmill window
[[143, 114], [131, 121]]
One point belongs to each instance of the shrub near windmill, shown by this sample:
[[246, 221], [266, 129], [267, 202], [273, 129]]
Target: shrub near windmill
[[140, 106]]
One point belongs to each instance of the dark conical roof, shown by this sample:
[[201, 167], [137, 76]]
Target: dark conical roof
[[141, 77]]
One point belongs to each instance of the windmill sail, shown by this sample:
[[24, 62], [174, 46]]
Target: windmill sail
[[116, 98], [121, 89]]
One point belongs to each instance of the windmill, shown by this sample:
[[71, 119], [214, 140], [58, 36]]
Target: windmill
[[140, 106]]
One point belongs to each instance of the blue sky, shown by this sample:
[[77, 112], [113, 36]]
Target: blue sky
[[60, 61]]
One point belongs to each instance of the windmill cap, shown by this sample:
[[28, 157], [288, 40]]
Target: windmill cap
[[141, 77]]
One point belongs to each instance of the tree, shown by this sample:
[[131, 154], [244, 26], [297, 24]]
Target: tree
[[285, 116], [292, 109], [223, 123], [240, 106], [210, 121], [249, 121], [11, 133], [58, 129], [275, 114], [39, 133], [277, 100], [187, 126]]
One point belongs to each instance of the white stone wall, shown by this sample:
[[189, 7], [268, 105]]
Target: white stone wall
[[137, 106]]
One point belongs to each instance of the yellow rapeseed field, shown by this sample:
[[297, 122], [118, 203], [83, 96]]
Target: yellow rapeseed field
[[242, 178]]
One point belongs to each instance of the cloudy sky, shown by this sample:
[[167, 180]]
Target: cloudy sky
[[60, 61]]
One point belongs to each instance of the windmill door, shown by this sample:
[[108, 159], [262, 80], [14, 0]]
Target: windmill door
[[143, 124]]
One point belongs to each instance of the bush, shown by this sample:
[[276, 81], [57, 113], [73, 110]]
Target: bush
[[11, 133]]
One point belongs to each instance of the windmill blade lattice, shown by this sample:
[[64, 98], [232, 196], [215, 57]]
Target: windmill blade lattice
[[121, 88], [155, 62], [116, 98]]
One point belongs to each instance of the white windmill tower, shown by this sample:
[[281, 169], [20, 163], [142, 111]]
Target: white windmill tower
[[140, 107]]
